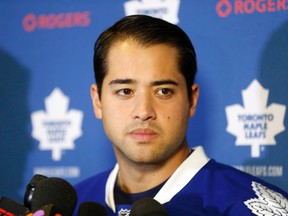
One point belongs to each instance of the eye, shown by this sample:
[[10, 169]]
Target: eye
[[124, 92], [165, 92]]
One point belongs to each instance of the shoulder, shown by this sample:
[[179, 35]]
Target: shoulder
[[219, 189], [93, 180], [230, 178], [241, 189], [92, 187]]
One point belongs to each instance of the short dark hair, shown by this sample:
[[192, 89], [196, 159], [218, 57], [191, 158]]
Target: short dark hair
[[146, 31]]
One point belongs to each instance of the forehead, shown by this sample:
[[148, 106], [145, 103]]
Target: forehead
[[129, 58]]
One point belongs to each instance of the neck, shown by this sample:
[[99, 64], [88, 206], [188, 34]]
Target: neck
[[135, 177]]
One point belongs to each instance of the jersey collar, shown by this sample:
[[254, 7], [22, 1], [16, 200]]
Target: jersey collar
[[184, 173]]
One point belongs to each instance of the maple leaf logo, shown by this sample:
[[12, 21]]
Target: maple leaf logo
[[57, 128], [255, 124], [124, 212], [268, 202], [163, 9]]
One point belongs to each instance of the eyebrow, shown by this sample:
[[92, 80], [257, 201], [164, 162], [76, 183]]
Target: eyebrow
[[122, 81], [154, 83], [164, 82]]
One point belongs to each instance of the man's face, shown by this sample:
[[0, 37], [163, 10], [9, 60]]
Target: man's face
[[144, 103]]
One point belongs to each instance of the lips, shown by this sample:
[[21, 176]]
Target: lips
[[143, 135]]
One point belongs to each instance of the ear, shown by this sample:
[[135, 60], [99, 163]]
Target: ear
[[194, 99], [96, 101]]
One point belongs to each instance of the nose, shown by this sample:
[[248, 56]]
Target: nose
[[143, 108]]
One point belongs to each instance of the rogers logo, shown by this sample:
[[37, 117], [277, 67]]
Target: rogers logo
[[224, 8], [31, 21]]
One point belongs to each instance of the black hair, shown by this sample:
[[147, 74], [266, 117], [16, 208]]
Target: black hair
[[146, 31]]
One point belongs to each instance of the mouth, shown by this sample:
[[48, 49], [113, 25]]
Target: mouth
[[143, 135]]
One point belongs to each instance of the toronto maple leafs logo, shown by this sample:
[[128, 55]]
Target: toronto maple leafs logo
[[57, 128], [163, 9], [124, 212], [269, 202], [255, 124]]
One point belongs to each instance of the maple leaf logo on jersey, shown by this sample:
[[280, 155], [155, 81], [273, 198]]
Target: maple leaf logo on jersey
[[57, 128], [124, 212], [269, 202], [163, 9], [255, 124]]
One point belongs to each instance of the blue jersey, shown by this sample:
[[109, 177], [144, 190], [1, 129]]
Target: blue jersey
[[200, 186]]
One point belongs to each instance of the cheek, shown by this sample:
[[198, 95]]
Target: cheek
[[112, 125], [110, 116], [114, 117], [179, 112]]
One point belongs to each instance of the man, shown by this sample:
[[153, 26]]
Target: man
[[145, 94]]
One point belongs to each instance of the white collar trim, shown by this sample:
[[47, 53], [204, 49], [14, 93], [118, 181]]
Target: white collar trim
[[183, 174], [109, 190]]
